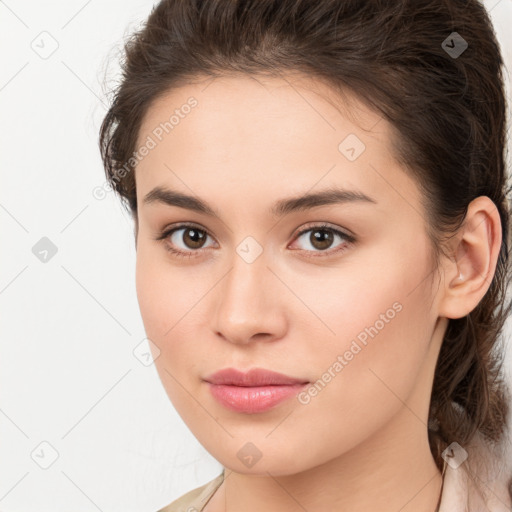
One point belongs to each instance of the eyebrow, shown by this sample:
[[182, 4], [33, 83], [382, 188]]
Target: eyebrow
[[285, 206]]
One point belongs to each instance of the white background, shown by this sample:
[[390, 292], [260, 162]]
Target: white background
[[68, 376]]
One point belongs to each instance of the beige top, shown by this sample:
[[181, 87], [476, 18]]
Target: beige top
[[196, 499]]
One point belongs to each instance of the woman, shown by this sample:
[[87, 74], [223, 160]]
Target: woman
[[359, 369]]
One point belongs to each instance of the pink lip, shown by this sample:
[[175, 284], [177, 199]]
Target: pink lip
[[255, 391], [254, 377], [253, 399]]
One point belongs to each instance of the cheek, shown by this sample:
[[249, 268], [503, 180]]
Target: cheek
[[163, 304], [162, 298], [169, 300], [381, 323], [151, 295]]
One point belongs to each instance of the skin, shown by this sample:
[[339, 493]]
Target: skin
[[361, 444]]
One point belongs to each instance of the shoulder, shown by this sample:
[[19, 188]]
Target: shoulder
[[196, 499]]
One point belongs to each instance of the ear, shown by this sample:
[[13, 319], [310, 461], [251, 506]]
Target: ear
[[475, 251]]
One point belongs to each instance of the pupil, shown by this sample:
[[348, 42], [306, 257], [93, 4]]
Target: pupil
[[196, 240], [325, 241]]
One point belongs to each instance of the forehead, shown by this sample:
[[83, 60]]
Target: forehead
[[266, 134], [231, 101]]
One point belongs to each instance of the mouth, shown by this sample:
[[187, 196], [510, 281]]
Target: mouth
[[252, 392]]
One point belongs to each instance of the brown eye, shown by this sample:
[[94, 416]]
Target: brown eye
[[321, 238], [184, 240], [193, 237]]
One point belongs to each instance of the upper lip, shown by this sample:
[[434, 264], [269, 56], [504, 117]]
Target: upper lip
[[254, 377]]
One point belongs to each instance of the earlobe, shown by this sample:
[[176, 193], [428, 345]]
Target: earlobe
[[469, 274]]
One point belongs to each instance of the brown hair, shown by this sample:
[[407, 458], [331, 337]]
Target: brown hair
[[448, 112]]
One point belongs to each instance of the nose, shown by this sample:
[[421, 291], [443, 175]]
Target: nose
[[250, 303]]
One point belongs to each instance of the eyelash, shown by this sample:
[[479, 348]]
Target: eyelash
[[349, 239]]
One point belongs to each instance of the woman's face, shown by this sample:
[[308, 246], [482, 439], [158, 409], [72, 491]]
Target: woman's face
[[353, 313]]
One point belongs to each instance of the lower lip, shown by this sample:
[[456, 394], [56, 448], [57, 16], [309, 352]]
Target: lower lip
[[253, 399]]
